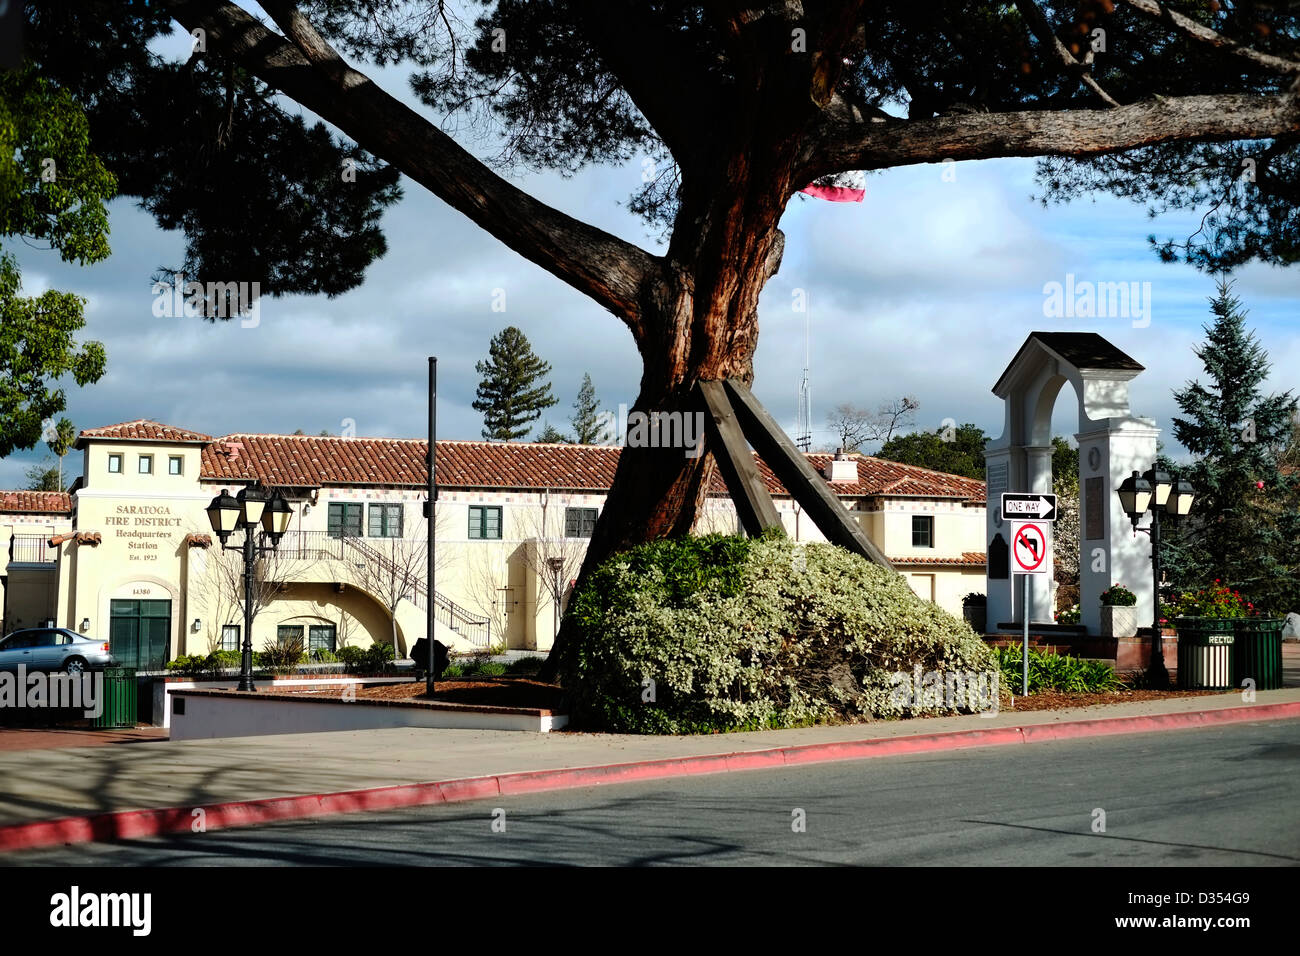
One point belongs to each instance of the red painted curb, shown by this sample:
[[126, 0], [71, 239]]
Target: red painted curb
[[135, 824]]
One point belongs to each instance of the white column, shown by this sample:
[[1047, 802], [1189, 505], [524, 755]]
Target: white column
[[998, 478], [1114, 554]]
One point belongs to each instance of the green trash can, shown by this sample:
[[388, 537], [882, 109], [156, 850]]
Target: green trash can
[[1257, 652], [1205, 660], [119, 699]]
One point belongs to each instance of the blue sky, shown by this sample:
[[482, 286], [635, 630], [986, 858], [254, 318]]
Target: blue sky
[[927, 288]]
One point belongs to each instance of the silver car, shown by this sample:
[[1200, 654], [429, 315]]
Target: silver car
[[53, 649]]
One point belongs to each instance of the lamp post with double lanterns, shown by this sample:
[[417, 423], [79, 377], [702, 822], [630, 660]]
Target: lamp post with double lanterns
[[246, 511], [1155, 491]]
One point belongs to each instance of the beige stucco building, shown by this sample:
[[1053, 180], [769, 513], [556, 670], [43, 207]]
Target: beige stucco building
[[128, 553]]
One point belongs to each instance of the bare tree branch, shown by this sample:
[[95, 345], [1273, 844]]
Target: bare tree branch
[[610, 270], [856, 426]]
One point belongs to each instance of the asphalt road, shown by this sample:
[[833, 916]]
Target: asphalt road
[[1221, 796]]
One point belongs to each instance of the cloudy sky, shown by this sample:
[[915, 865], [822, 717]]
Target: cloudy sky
[[926, 288]]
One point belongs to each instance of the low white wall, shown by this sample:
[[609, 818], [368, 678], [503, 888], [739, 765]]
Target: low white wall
[[162, 690], [250, 716]]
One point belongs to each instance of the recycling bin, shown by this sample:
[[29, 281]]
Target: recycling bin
[[119, 699], [1257, 652], [1205, 659]]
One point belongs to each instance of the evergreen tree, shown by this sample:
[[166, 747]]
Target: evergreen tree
[[587, 429], [1246, 518], [554, 436], [512, 393]]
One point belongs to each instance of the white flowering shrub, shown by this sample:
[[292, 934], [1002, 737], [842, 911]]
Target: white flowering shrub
[[719, 633]]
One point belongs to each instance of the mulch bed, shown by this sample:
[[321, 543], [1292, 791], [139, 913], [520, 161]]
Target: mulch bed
[[481, 691], [525, 692], [1053, 699]]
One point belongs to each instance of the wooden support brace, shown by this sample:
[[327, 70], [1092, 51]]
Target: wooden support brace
[[804, 484], [736, 462]]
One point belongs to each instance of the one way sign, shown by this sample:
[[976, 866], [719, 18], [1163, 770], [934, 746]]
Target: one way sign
[[1029, 507]]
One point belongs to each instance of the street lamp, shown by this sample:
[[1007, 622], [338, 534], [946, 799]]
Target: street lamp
[[1156, 491], [247, 511]]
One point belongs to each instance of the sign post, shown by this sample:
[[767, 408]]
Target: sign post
[[1031, 524]]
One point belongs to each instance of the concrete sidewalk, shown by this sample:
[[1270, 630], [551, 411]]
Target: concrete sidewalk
[[81, 781]]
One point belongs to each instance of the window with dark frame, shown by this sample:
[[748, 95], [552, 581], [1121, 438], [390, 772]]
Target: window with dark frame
[[344, 520], [923, 531], [287, 634], [230, 637], [579, 522], [385, 521], [320, 637], [484, 521], [114, 464], [174, 464], [146, 464]]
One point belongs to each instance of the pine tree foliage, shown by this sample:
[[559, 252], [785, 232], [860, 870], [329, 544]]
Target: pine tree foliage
[[552, 435], [588, 429], [513, 391], [1246, 519]]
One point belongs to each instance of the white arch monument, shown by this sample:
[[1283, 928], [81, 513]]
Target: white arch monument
[[1112, 444]]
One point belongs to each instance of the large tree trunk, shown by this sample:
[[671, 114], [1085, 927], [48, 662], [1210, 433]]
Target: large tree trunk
[[701, 323]]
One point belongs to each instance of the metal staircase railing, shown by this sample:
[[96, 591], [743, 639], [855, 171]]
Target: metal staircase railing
[[474, 628], [321, 545]]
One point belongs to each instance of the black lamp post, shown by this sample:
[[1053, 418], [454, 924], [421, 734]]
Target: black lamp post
[[246, 511], [1155, 491]]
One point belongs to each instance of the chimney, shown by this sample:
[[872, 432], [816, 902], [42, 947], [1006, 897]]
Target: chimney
[[843, 467]]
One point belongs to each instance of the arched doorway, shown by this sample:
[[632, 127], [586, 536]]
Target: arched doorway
[[1112, 444]]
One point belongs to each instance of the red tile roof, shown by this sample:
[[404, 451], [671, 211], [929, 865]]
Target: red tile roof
[[968, 559], [305, 460], [142, 429], [310, 461], [35, 502]]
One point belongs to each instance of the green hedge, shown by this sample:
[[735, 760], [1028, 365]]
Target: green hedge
[[738, 633], [367, 660], [204, 665]]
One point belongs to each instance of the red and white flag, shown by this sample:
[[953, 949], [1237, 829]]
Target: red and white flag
[[839, 187]]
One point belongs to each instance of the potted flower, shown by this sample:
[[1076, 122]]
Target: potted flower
[[1118, 612], [974, 608]]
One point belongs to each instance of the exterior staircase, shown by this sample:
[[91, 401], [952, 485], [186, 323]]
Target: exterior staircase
[[454, 625]]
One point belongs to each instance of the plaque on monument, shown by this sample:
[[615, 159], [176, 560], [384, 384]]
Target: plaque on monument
[[1094, 510]]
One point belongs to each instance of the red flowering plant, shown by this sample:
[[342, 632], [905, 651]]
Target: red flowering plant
[[1118, 596], [1218, 601]]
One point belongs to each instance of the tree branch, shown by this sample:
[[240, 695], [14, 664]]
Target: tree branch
[[1033, 13], [604, 267], [1203, 34], [1051, 133]]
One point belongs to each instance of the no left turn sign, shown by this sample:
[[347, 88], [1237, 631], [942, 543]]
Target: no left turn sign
[[1029, 548]]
